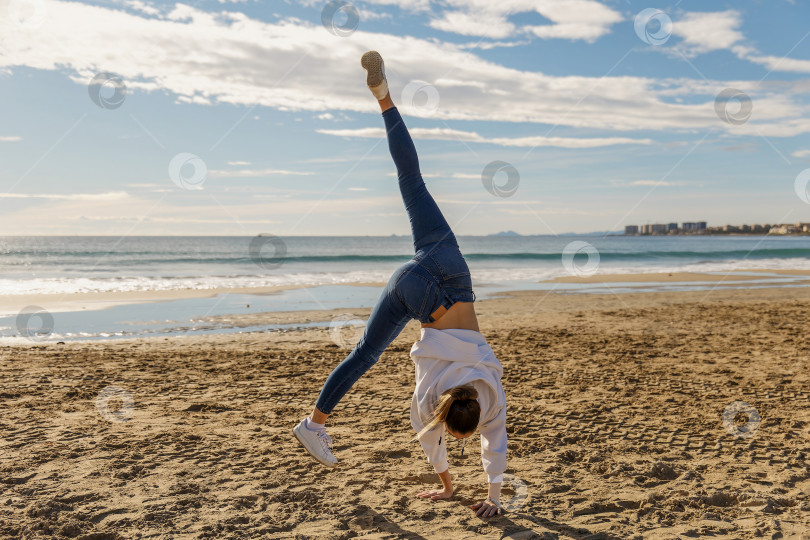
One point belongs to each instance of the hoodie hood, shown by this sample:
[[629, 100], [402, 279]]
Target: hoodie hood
[[454, 357]]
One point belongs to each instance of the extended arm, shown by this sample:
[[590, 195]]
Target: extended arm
[[493, 458], [435, 448]]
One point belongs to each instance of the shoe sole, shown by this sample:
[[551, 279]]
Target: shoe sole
[[373, 63], [326, 463]]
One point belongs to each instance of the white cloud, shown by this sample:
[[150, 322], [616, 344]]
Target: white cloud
[[178, 220], [370, 15], [801, 153], [704, 32], [487, 45], [109, 196], [780, 63], [238, 163], [143, 7], [182, 212], [475, 23], [585, 20], [410, 5], [649, 183], [222, 57], [574, 19], [709, 31], [447, 134], [10, 138], [254, 173]]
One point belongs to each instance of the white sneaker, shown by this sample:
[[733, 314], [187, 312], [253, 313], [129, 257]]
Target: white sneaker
[[373, 63], [317, 443]]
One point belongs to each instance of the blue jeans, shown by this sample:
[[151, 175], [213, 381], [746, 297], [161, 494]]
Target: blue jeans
[[436, 276]]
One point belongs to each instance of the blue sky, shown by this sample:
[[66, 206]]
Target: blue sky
[[252, 117]]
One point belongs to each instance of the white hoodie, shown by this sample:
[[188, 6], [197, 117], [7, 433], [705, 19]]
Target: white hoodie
[[454, 357]]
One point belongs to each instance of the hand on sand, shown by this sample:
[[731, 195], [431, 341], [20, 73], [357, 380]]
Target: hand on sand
[[436, 494], [485, 509]]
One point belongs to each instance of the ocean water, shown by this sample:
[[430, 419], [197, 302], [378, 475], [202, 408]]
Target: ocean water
[[64, 265], [332, 268]]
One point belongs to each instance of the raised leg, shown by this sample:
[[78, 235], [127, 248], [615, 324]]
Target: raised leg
[[428, 224]]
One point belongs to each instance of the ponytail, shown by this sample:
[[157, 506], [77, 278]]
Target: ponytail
[[458, 409]]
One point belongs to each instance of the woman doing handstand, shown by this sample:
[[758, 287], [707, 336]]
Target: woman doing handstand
[[458, 379]]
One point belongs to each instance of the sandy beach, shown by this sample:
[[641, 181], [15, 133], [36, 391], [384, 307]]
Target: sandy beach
[[615, 422], [205, 206]]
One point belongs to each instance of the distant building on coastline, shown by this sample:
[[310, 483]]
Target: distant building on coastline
[[784, 229], [789, 228], [693, 226], [654, 228], [700, 227]]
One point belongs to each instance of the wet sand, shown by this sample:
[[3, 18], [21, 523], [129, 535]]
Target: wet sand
[[615, 426], [669, 277], [12, 304]]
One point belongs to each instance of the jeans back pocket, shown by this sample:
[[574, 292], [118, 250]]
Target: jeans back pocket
[[418, 293]]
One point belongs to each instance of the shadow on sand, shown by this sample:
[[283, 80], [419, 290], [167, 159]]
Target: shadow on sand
[[543, 528]]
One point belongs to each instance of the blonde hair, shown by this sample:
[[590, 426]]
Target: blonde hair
[[458, 408]]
